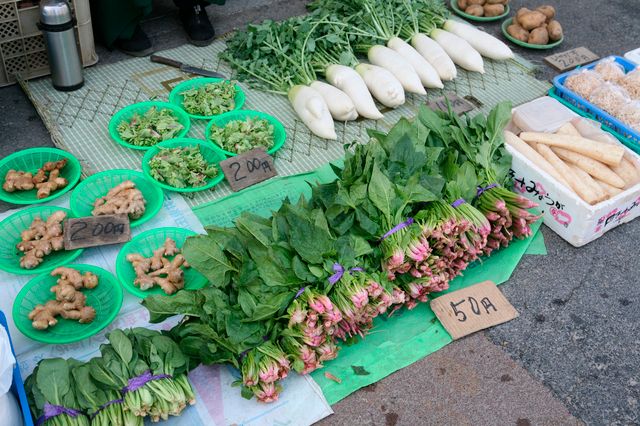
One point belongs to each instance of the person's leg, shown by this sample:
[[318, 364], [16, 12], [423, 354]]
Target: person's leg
[[195, 20], [117, 24]]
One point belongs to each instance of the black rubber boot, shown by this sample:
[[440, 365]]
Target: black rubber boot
[[138, 45], [196, 23]]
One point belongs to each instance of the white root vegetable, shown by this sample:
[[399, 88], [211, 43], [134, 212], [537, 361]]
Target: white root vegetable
[[427, 73], [606, 153], [587, 180], [350, 82], [340, 104], [382, 84], [591, 166], [313, 111], [612, 191], [519, 145], [398, 66], [435, 55], [459, 50], [627, 171], [486, 44], [568, 129]]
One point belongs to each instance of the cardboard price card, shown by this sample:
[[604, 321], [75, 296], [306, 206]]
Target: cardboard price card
[[473, 309], [95, 231], [248, 168], [570, 59]]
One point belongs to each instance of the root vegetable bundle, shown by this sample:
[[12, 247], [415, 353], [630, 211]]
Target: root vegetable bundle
[[164, 268], [123, 198], [46, 180], [41, 239]]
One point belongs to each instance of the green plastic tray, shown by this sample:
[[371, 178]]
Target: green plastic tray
[[144, 244], [279, 133], [506, 24], [175, 97], [106, 299], [458, 11], [127, 112], [30, 160], [206, 149], [10, 230], [96, 186]]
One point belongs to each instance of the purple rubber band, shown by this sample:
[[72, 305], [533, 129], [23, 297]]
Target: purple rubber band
[[397, 228], [457, 203], [299, 293], [482, 190], [105, 405], [339, 272], [141, 380], [50, 411]]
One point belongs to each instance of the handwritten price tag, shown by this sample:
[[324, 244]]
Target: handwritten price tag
[[248, 168], [473, 309], [95, 231], [458, 104], [570, 59]]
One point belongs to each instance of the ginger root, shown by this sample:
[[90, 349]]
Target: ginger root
[[70, 303], [41, 239], [159, 270], [123, 198], [17, 180], [53, 183]]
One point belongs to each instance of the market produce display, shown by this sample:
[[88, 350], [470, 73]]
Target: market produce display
[[240, 136], [124, 198], [210, 99], [46, 180], [152, 127], [41, 239], [140, 374], [537, 27], [181, 167], [164, 268], [486, 8], [70, 303]]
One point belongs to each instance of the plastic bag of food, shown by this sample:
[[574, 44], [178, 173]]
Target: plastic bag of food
[[609, 97], [630, 114], [584, 82], [631, 83], [609, 69]]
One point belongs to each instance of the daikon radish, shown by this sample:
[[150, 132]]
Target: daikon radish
[[350, 82], [382, 84], [611, 190], [591, 166], [627, 171], [428, 75], [459, 50], [340, 104], [587, 180], [435, 55], [486, 44], [313, 111], [585, 192], [568, 129], [532, 155], [606, 153], [398, 66]]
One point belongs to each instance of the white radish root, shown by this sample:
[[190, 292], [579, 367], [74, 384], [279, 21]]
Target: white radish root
[[313, 111], [459, 50], [435, 55], [486, 44], [382, 84], [428, 75], [606, 153], [340, 104], [350, 82], [398, 66]]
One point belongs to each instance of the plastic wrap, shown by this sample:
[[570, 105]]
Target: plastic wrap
[[631, 83], [630, 114], [609, 97], [584, 82], [610, 70]]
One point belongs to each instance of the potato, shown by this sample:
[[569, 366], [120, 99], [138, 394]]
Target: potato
[[532, 20], [479, 2], [475, 10], [517, 32], [555, 30], [493, 9], [548, 11], [503, 2], [462, 4], [521, 12], [539, 36]]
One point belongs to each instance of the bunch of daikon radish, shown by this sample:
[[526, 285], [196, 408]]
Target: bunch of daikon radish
[[594, 170]]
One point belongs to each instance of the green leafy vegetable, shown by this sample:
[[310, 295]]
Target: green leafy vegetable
[[182, 167], [240, 136], [210, 99], [151, 128]]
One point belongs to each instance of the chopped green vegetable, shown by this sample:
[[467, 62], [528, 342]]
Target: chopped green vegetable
[[210, 99], [182, 167], [244, 135], [151, 128]]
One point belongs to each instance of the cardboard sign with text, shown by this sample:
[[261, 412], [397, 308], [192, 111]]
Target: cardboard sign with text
[[473, 309], [95, 231], [248, 168], [570, 59], [458, 104]]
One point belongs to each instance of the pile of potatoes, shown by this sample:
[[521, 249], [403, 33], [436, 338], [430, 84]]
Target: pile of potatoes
[[536, 26], [486, 8]]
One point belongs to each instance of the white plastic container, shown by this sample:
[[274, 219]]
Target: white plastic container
[[633, 56], [564, 212]]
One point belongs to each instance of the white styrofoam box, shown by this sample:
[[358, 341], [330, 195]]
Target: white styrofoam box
[[563, 211], [633, 56]]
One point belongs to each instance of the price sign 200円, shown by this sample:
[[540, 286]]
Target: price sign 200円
[[248, 168]]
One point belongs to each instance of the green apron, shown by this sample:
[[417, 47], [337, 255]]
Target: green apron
[[114, 19]]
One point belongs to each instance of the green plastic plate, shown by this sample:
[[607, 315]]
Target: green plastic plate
[[279, 133], [144, 244], [106, 299], [96, 186], [458, 11], [506, 24], [127, 112], [207, 150], [175, 97], [10, 230], [30, 160]]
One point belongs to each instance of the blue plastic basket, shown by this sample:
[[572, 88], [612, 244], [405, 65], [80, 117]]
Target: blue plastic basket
[[18, 387], [598, 114]]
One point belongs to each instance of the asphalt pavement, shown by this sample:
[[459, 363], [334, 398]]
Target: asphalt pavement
[[573, 354]]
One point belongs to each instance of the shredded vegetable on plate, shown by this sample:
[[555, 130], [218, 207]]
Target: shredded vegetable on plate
[[151, 128], [181, 167], [210, 99], [240, 136]]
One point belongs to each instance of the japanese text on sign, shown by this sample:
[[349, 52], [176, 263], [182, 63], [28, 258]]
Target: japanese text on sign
[[248, 168], [571, 58], [95, 231]]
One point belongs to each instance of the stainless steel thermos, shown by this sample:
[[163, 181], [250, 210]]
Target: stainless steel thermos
[[56, 24]]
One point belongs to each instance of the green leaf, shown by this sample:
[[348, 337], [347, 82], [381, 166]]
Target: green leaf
[[53, 380], [206, 256], [121, 344], [359, 370], [381, 192]]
